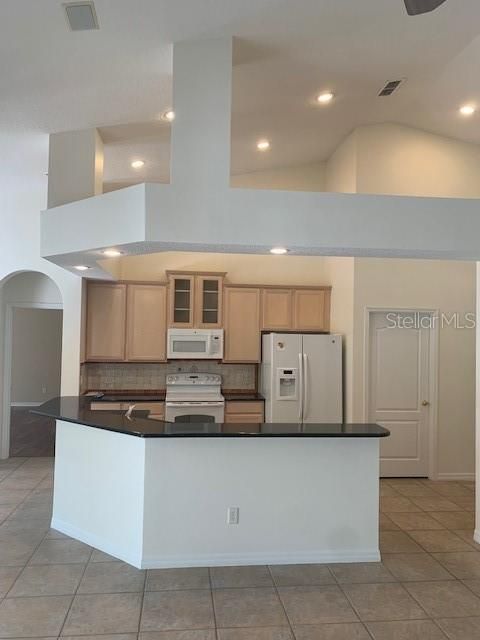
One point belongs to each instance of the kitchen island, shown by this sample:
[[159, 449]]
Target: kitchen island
[[158, 494]]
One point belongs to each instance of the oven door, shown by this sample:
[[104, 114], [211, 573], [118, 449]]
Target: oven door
[[199, 412]]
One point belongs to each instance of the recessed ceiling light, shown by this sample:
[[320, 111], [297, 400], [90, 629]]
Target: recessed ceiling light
[[81, 267], [169, 115], [263, 145], [279, 251], [467, 110], [325, 97], [112, 253], [137, 164]]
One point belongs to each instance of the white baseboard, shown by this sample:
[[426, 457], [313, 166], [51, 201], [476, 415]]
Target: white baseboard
[[96, 542], [247, 559], [25, 404], [215, 560], [461, 477]]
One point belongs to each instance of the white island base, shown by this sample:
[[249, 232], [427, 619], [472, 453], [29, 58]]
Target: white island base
[[162, 502]]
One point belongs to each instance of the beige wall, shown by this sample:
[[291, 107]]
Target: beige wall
[[448, 287], [36, 354], [394, 159], [339, 273], [310, 177], [399, 160], [248, 269]]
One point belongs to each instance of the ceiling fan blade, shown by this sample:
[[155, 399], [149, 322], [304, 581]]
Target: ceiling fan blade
[[416, 7]]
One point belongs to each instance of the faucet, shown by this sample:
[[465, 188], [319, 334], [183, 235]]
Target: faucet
[[128, 412]]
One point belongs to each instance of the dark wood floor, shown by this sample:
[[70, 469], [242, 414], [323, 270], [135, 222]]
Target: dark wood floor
[[30, 435]]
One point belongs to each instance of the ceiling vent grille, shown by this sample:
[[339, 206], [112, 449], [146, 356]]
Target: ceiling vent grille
[[81, 16], [390, 87]]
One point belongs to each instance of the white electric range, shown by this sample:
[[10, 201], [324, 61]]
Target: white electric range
[[194, 397]]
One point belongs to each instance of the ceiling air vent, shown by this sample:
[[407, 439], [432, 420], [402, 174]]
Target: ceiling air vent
[[390, 87], [81, 16]]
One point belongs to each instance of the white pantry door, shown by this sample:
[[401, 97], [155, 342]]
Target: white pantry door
[[398, 391]]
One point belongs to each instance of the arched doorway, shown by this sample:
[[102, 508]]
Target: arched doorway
[[31, 320]]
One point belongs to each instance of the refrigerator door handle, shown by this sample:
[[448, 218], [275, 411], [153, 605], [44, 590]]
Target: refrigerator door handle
[[305, 385], [300, 388]]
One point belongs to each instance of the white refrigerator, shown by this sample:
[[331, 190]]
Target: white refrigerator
[[301, 377]]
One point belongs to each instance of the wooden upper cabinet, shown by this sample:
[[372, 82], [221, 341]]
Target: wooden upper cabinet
[[242, 324], [195, 300], [146, 322], [277, 309], [181, 304], [106, 313], [208, 302], [311, 309]]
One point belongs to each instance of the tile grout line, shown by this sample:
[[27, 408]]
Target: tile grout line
[[36, 547], [275, 586], [213, 602], [74, 593], [434, 620], [429, 553], [339, 584], [29, 491], [357, 612], [423, 552], [142, 601]]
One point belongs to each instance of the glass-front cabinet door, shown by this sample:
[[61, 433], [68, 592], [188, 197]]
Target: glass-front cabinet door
[[208, 307], [182, 292], [195, 300]]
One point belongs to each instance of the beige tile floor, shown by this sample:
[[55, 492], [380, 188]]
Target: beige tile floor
[[426, 587]]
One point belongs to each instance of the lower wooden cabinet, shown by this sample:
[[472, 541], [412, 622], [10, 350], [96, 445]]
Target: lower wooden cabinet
[[243, 411], [242, 324], [108, 406], [156, 409], [146, 323]]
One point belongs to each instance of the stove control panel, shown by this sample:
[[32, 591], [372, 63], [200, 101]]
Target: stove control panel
[[197, 379]]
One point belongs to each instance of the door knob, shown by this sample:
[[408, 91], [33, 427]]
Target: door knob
[[425, 403]]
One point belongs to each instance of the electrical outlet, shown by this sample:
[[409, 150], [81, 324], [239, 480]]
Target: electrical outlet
[[44, 389], [233, 515]]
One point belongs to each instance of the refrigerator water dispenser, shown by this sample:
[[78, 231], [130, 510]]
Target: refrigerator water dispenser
[[287, 384]]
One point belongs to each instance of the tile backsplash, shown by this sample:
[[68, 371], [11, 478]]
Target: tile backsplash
[[118, 375]]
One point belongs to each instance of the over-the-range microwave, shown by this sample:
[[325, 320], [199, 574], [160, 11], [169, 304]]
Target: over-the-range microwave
[[193, 344]]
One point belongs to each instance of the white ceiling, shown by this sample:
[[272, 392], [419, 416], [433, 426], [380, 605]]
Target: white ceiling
[[54, 80]]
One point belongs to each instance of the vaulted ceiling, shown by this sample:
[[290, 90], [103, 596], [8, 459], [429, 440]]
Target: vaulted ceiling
[[54, 80]]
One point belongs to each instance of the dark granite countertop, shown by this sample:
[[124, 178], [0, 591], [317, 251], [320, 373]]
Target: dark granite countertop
[[159, 396], [248, 396], [128, 396], [76, 409]]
